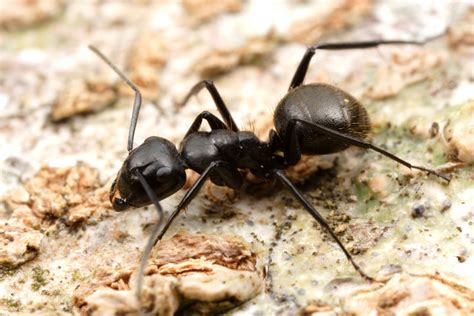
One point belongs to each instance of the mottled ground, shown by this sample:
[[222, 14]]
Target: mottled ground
[[64, 119]]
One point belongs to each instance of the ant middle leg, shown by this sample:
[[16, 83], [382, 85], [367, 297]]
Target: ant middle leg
[[300, 73], [315, 214], [292, 146], [214, 123], [219, 102]]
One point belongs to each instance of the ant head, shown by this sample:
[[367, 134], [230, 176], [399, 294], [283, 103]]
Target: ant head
[[160, 164]]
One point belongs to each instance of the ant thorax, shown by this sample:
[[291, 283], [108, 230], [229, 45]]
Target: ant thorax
[[240, 150]]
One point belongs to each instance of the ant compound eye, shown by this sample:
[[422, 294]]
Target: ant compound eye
[[120, 201], [120, 204]]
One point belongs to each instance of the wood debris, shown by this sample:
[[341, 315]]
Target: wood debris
[[338, 15], [406, 68], [201, 273], [412, 295], [146, 59], [73, 194], [380, 184], [20, 14], [229, 252], [200, 11], [82, 96], [220, 61], [461, 33], [18, 245]]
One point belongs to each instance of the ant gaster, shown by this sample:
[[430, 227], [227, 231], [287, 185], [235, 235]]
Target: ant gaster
[[312, 119]]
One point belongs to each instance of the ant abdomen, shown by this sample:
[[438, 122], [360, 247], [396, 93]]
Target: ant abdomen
[[325, 105]]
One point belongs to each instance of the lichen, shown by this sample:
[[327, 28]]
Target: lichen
[[39, 278], [12, 305]]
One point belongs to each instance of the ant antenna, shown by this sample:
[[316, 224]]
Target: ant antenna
[[137, 103]]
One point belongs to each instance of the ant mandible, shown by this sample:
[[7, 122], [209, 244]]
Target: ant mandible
[[311, 119]]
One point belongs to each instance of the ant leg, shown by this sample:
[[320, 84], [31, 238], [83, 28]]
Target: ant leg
[[214, 123], [291, 145], [221, 107], [315, 214], [150, 243], [300, 73], [222, 168], [137, 101], [351, 141]]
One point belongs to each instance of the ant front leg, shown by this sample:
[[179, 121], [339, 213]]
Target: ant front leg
[[300, 73], [291, 146], [221, 107], [231, 177], [150, 243], [158, 233]]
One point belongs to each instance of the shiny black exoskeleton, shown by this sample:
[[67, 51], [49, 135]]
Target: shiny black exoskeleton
[[313, 119], [160, 164]]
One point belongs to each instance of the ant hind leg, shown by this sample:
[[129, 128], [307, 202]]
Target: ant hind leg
[[292, 139], [315, 214], [302, 68]]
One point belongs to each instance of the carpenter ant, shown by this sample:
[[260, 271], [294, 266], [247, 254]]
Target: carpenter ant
[[312, 119]]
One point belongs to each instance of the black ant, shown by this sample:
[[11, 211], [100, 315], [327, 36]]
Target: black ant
[[312, 119]]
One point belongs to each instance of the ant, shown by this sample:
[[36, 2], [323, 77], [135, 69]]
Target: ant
[[311, 119]]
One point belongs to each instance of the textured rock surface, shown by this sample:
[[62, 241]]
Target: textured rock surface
[[391, 218], [405, 295], [17, 245], [198, 273]]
